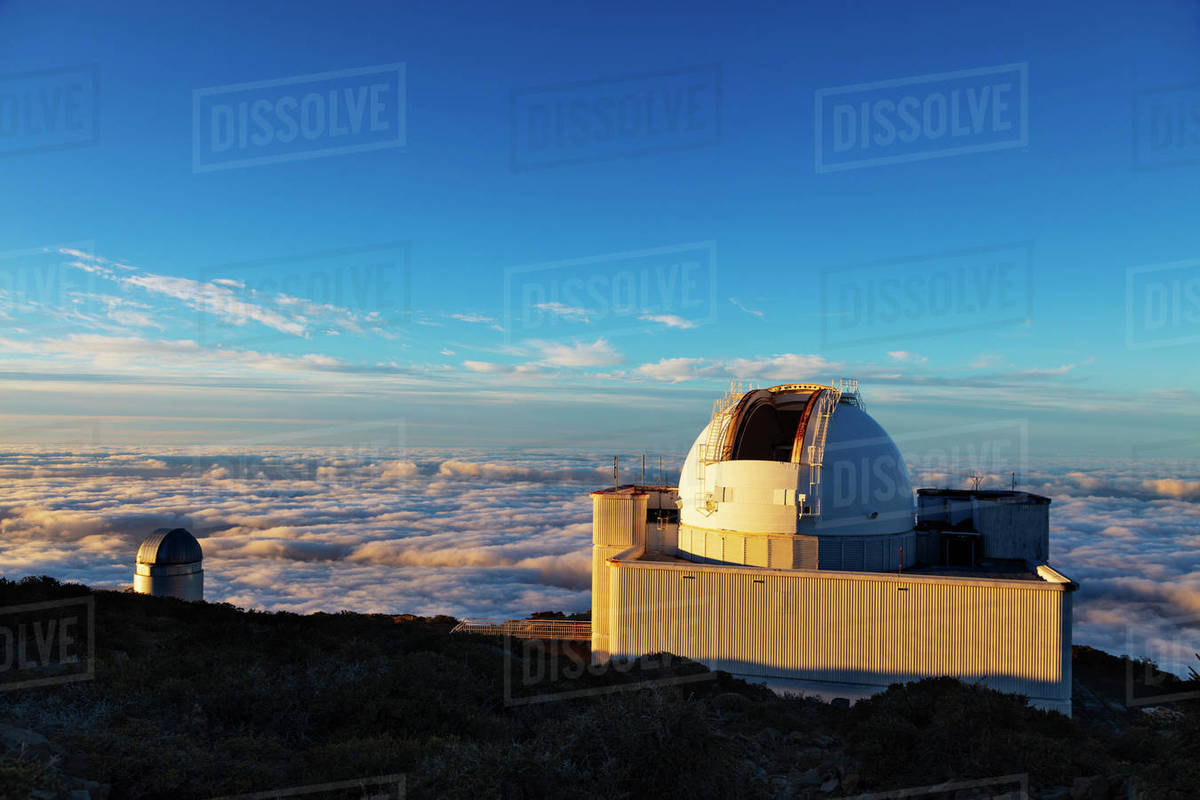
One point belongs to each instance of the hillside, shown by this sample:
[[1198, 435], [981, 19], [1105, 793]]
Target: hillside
[[204, 700]]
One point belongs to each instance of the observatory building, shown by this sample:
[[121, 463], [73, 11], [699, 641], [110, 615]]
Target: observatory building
[[170, 564], [791, 554]]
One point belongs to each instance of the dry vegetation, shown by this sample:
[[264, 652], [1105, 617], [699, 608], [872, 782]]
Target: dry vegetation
[[202, 700]]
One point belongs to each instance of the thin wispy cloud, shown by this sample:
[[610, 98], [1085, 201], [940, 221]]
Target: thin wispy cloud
[[573, 313], [986, 361], [678, 370], [743, 307], [669, 320], [906, 357], [478, 319], [472, 318], [225, 299], [577, 354]]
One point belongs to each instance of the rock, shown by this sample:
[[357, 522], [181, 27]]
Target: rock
[[1094, 787], [79, 794], [829, 785], [732, 701], [76, 764], [986, 793], [1163, 714], [1055, 793], [850, 783], [15, 738], [810, 778], [822, 740], [21, 742]]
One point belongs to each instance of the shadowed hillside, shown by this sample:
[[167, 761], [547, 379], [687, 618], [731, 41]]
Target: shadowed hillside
[[204, 700]]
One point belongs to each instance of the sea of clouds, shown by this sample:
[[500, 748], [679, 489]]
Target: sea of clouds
[[504, 534]]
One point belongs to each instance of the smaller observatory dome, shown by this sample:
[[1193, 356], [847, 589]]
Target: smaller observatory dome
[[170, 546], [170, 564]]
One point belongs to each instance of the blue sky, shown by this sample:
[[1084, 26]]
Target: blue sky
[[146, 296]]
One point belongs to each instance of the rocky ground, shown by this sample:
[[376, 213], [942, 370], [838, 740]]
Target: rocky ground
[[207, 700]]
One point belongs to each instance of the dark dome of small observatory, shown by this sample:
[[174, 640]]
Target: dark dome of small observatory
[[170, 546]]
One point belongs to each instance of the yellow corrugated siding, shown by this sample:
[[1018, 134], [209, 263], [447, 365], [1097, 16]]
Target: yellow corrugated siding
[[830, 628], [618, 519], [618, 522]]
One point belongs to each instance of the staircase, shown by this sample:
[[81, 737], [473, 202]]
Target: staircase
[[555, 629]]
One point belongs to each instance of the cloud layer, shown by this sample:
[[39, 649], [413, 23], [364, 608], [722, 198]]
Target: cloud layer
[[496, 534], [309, 531]]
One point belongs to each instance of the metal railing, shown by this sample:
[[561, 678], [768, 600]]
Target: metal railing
[[557, 629], [714, 448]]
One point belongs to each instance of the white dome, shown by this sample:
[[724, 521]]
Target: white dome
[[751, 469]]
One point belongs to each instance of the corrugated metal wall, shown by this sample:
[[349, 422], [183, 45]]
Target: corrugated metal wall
[[185, 581], [618, 523], [618, 518], [838, 552], [1014, 530], [1011, 527], [871, 629]]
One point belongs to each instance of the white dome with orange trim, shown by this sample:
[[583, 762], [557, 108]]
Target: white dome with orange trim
[[795, 459]]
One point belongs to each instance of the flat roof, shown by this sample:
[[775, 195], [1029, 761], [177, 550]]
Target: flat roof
[[628, 488], [992, 569], [990, 494], [1000, 569], [637, 488]]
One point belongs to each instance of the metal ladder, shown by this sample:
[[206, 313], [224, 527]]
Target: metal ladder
[[712, 450], [827, 404]]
